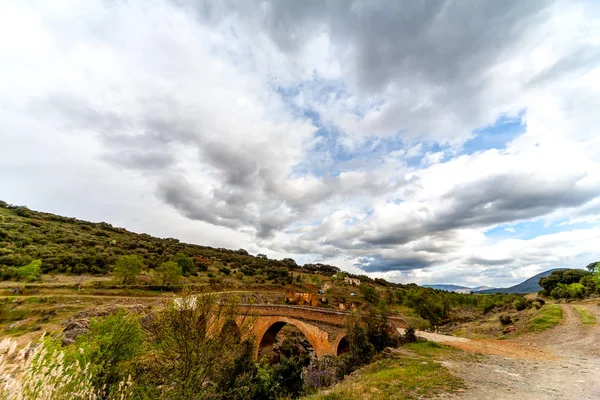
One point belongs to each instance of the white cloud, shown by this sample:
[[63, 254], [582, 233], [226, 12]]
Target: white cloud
[[194, 120]]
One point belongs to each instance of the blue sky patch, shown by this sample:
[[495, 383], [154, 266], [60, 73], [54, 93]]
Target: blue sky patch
[[495, 136], [532, 229]]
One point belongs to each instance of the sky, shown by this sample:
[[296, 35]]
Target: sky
[[423, 141]]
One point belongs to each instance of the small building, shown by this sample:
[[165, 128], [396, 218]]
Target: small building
[[302, 298], [352, 281]]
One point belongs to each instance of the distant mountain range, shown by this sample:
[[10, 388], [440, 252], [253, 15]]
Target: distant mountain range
[[457, 288], [530, 285]]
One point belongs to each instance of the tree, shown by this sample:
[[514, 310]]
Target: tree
[[593, 267], [400, 295], [196, 341], [564, 276], [169, 272], [127, 268], [31, 271], [369, 294], [185, 263]]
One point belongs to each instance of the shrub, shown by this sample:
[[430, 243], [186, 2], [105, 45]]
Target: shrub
[[369, 294], [400, 296], [409, 336], [520, 304], [287, 377], [570, 291], [505, 319], [108, 343], [30, 272], [540, 301], [380, 333], [186, 264], [321, 373], [361, 348]]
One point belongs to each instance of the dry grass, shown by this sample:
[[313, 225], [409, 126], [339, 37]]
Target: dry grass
[[41, 373], [410, 377]]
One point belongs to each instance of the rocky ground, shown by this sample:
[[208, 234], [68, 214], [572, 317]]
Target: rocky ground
[[560, 363]]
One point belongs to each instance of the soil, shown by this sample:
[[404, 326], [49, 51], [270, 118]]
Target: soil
[[559, 363]]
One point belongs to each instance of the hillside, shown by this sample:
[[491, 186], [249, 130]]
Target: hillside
[[530, 285], [69, 245]]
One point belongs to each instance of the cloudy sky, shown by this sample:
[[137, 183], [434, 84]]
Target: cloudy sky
[[421, 141]]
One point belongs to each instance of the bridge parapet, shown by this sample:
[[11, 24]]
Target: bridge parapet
[[310, 313]]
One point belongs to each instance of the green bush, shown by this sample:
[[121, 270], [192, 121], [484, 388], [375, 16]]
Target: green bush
[[520, 304], [570, 291], [369, 294], [108, 343], [30, 272]]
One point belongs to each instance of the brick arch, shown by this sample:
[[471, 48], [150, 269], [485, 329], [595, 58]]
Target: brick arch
[[341, 344], [266, 328]]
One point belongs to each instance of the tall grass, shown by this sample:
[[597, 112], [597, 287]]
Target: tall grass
[[41, 372], [546, 318], [587, 318]]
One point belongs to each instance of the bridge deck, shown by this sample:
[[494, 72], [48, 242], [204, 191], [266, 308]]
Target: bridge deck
[[311, 313]]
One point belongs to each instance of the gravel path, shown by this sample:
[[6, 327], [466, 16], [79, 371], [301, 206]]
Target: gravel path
[[560, 363]]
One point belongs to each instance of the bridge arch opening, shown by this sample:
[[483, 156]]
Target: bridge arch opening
[[284, 339], [231, 329], [343, 346]]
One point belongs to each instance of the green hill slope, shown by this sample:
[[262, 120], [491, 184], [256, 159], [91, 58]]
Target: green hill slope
[[69, 245]]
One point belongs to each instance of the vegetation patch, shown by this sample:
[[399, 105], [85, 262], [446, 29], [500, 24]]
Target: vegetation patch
[[587, 318], [405, 378], [547, 317]]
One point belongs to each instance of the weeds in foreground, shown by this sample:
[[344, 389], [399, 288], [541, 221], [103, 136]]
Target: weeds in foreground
[[41, 372]]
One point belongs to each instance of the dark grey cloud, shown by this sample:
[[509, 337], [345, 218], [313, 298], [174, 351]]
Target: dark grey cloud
[[491, 201], [388, 41], [428, 61], [376, 263]]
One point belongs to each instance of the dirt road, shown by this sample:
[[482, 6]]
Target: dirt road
[[560, 363]]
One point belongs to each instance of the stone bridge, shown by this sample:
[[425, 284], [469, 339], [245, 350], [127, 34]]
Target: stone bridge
[[323, 328]]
